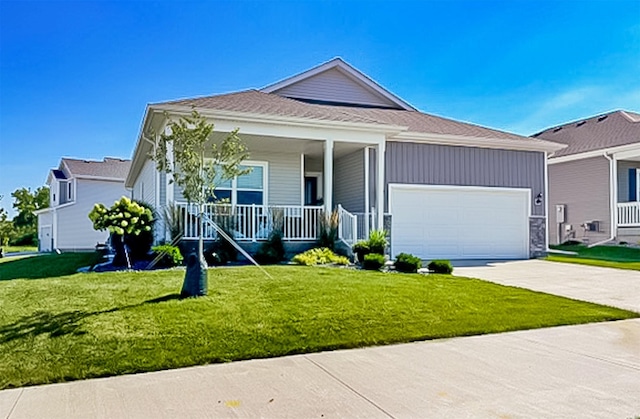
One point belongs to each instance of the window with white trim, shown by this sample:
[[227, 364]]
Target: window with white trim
[[634, 185], [247, 189]]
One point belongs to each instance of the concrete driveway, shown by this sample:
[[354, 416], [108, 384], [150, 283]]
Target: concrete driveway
[[612, 287]]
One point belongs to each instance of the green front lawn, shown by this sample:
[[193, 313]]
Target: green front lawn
[[91, 325], [45, 266], [12, 249], [620, 257]]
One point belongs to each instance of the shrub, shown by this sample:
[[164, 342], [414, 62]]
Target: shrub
[[440, 266], [373, 261], [220, 253], [25, 239], [124, 219], [407, 263], [169, 255], [328, 230], [272, 251], [319, 256], [378, 241], [361, 249]]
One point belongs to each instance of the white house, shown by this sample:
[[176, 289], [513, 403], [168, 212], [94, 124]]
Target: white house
[[75, 186], [332, 138]]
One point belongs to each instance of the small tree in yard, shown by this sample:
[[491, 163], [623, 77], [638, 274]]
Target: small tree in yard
[[199, 176], [124, 218]]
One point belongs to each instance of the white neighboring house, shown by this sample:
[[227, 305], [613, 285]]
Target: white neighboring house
[[75, 187]]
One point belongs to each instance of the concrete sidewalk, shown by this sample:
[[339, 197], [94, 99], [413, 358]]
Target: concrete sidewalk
[[586, 371], [608, 286]]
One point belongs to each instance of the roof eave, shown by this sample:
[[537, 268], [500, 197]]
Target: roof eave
[[526, 144], [274, 119], [611, 151]]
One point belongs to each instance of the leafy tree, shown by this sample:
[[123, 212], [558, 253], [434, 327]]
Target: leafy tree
[[198, 165], [124, 218], [26, 202], [6, 226]]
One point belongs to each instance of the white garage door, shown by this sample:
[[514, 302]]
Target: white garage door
[[456, 222]]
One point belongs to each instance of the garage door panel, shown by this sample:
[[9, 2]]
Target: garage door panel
[[460, 222]]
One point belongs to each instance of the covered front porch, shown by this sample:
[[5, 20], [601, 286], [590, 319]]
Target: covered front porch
[[628, 193], [295, 184]]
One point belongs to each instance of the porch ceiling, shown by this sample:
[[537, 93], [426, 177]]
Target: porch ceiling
[[313, 148]]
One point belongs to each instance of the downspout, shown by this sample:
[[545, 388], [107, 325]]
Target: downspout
[[612, 203], [546, 200]]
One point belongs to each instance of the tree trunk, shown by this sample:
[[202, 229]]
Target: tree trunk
[[120, 258], [195, 278]]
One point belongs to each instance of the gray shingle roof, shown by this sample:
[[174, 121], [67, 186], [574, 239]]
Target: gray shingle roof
[[108, 168], [599, 132], [256, 102]]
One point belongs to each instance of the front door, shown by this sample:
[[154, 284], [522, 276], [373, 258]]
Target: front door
[[310, 190], [45, 239]]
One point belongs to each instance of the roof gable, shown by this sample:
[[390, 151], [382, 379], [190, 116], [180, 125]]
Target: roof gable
[[337, 82]]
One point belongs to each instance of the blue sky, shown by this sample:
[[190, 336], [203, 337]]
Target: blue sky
[[75, 76]]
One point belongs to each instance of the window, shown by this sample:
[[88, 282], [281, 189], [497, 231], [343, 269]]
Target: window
[[69, 190], [247, 189], [634, 185]]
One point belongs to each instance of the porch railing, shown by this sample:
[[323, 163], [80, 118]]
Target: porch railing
[[629, 214], [253, 222], [347, 227]]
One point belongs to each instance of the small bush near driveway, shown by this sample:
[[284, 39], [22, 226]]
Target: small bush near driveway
[[407, 263], [373, 262], [440, 266]]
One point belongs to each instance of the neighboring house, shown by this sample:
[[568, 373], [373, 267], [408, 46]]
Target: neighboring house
[[75, 187], [594, 183], [332, 138]]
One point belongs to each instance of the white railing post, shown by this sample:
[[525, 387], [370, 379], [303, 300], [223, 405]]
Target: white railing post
[[340, 221], [354, 232], [254, 222]]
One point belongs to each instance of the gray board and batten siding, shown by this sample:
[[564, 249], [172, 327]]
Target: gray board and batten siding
[[432, 164], [583, 186], [348, 185]]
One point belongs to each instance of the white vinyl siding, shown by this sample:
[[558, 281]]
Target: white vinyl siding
[[283, 178], [144, 188], [75, 230], [334, 86], [348, 181], [583, 186]]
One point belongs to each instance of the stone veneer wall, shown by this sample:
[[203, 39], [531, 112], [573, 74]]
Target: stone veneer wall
[[537, 237]]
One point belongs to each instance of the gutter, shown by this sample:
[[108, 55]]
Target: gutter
[[612, 203]]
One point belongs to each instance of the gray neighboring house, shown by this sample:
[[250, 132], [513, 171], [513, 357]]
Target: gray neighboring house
[[75, 187], [331, 138], [594, 183]]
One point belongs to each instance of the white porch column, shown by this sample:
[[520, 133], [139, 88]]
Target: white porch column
[[367, 192], [380, 152], [328, 175]]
